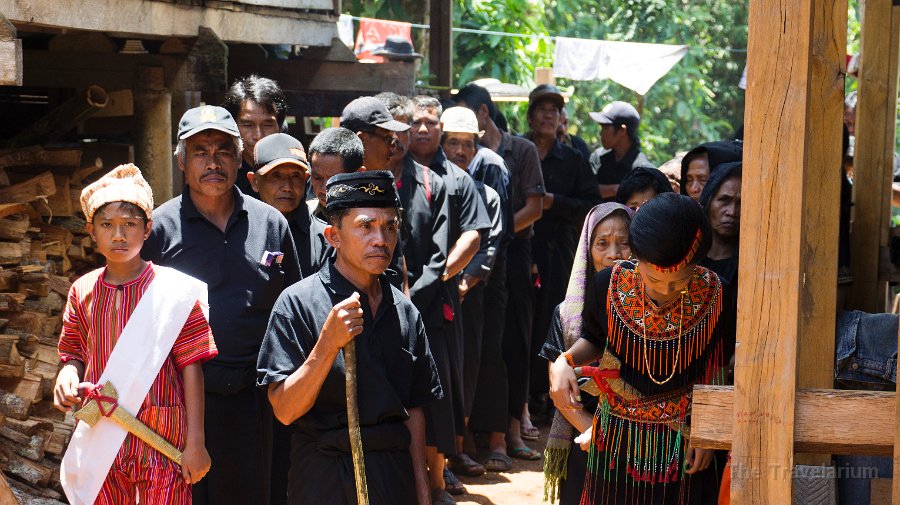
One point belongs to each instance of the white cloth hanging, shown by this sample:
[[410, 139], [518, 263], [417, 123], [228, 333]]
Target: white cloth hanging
[[637, 66]]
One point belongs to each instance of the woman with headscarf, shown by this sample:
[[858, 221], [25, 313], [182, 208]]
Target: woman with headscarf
[[603, 241], [700, 162], [721, 200], [658, 326]]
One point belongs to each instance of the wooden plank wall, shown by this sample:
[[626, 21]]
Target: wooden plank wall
[[791, 161], [876, 112]]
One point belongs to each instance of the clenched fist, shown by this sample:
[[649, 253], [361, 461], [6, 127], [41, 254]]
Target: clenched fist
[[344, 322]]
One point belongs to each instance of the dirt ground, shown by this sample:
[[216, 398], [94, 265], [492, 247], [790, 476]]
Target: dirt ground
[[523, 485]]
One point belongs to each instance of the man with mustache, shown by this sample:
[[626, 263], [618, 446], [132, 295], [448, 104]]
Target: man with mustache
[[302, 366], [243, 250]]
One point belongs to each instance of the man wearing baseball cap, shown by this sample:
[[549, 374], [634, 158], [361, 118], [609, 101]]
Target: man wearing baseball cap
[[370, 120], [621, 149], [280, 179], [243, 250]]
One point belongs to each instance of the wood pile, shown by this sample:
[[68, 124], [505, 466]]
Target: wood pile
[[44, 245]]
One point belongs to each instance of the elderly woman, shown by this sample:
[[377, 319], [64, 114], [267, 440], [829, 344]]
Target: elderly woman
[[700, 162], [721, 199], [658, 326], [604, 240]]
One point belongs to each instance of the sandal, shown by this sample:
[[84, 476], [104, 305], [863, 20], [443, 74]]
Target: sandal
[[441, 497], [497, 462], [463, 464], [526, 453], [452, 484], [530, 433]]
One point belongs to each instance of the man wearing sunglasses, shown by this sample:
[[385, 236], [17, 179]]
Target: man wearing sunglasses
[[373, 124]]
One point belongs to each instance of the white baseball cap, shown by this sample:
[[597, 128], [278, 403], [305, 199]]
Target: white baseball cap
[[460, 120]]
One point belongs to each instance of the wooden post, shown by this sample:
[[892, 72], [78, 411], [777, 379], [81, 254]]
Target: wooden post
[[153, 132], [789, 228], [876, 112], [10, 54], [440, 45]]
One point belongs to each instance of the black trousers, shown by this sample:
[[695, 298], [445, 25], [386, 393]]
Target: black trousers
[[489, 406], [519, 320], [238, 438], [553, 256], [441, 415], [473, 336]]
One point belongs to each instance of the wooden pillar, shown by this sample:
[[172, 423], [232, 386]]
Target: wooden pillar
[[876, 112], [440, 45], [10, 54], [789, 233], [153, 132]]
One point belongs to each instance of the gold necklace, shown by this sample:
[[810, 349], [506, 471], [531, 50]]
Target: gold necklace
[[644, 346]]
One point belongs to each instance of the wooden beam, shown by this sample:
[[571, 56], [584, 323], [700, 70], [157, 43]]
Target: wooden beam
[[440, 45], [794, 97], [827, 420], [10, 54], [876, 112], [318, 75], [139, 18]]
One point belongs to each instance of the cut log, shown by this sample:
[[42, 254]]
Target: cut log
[[14, 227], [10, 253], [60, 284], [14, 406], [36, 155], [40, 186], [60, 202], [29, 426], [6, 494], [10, 209], [29, 387], [23, 468]]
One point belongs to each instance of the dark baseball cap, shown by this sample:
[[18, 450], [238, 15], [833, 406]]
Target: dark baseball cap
[[547, 92], [368, 111], [618, 113], [206, 117], [278, 149]]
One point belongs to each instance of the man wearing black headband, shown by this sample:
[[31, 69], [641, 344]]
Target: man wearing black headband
[[301, 364]]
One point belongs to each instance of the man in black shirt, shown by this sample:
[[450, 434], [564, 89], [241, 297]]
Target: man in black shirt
[[243, 250], [621, 148], [280, 180], [302, 366], [259, 108], [467, 219], [571, 191]]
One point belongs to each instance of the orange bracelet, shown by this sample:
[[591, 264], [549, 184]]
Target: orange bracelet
[[569, 359]]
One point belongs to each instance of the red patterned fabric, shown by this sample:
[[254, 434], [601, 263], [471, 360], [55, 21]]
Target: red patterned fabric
[[92, 322]]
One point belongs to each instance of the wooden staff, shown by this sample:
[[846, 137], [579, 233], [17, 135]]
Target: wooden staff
[[356, 448]]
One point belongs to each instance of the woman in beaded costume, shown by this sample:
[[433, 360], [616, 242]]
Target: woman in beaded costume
[[658, 325]]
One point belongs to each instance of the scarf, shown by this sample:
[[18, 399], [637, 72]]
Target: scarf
[[559, 442]]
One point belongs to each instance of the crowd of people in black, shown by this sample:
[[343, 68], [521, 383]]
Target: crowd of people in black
[[492, 283]]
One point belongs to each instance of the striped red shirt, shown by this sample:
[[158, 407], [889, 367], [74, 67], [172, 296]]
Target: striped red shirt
[[92, 325]]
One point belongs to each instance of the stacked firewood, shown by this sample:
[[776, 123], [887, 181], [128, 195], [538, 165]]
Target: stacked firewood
[[44, 245]]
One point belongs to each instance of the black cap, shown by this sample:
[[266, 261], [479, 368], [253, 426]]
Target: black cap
[[366, 112], [545, 93], [360, 190], [618, 114], [206, 117], [277, 149], [397, 48]]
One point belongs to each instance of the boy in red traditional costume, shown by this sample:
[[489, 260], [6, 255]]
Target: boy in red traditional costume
[[143, 328]]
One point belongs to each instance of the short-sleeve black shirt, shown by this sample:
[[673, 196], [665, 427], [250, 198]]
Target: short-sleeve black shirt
[[242, 290], [395, 369], [465, 208]]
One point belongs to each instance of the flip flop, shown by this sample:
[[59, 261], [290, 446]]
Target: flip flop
[[452, 484], [463, 464], [525, 453], [497, 462], [530, 433], [441, 497]]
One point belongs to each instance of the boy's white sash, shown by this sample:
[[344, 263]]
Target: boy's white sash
[[139, 354]]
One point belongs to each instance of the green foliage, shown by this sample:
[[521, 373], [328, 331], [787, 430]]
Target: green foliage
[[697, 101]]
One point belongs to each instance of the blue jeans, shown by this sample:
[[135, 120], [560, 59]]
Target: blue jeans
[[865, 358]]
